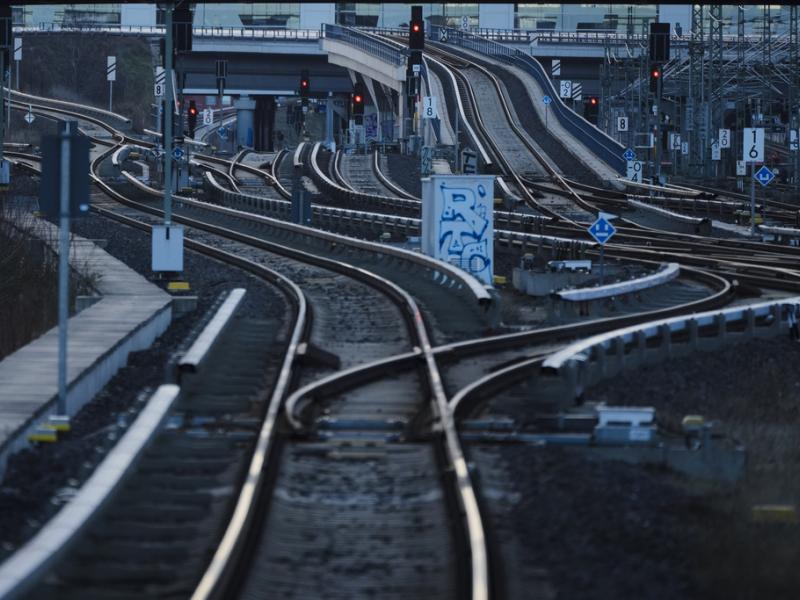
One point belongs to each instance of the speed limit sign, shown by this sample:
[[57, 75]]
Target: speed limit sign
[[429, 108], [622, 123], [158, 90], [753, 144], [724, 138], [565, 89], [635, 170]]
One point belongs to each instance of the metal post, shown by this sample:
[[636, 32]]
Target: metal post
[[458, 150], [19, 87], [8, 115], [697, 150], [63, 272], [752, 199], [3, 122], [602, 262], [168, 109], [110, 94], [794, 65], [716, 98]]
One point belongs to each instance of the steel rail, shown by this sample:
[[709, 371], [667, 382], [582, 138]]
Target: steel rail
[[214, 583], [388, 183], [234, 539], [336, 171]]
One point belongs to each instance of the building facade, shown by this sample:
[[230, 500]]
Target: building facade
[[619, 18]]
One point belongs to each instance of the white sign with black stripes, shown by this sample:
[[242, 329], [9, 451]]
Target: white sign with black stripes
[[111, 68], [577, 90], [160, 82], [555, 69]]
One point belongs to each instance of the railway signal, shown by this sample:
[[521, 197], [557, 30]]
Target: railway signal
[[656, 75], [416, 29], [192, 118], [358, 102], [591, 109], [305, 84]]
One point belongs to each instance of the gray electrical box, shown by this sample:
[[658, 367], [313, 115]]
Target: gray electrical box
[[167, 248], [50, 187]]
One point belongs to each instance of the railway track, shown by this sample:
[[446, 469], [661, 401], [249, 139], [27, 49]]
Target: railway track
[[439, 453], [328, 415]]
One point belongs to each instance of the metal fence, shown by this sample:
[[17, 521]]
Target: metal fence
[[365, 42], [278, 34]]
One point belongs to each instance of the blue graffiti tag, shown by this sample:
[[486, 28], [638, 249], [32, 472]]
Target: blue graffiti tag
[[462, 226]]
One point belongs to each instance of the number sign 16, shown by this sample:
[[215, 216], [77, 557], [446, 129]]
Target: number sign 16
[[753, 144]]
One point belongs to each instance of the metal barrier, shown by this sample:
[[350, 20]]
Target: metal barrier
[[278, 34], [593, 359], [596, 140], [668, 273], [358, 39]]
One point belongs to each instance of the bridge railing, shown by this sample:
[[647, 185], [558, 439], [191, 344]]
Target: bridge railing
[[278, 34], [364, 42], [596, 140]]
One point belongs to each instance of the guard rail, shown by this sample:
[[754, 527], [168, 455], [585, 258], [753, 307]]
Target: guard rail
[[366, 43], [687, 224], [668, 273], [586, 362]]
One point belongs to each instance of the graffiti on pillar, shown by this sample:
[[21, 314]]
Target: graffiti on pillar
[[465, 228], [371, 126]]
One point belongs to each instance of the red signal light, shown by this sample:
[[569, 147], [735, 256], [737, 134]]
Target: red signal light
[[304, 83], [357, 99], [656, 73], [593, 101], [415, 27], [192, 111]]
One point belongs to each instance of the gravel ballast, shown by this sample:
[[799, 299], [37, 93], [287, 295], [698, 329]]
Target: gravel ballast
[[40, 479], [571, 526]]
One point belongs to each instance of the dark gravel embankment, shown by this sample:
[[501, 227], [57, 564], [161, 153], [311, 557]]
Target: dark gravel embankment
[[569, 526], [753, 391], [40, 479], [405, 172]]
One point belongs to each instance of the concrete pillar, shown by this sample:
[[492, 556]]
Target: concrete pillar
[[264, 124], [245, 121], [329, 122], [403, 110]]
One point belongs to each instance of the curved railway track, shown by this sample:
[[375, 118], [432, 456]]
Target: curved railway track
[[331, 410], [457, 499]]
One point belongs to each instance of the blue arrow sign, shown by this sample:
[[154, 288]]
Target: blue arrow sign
[[177, 154], [222, 132], [629, 154], [602, 230], [547, 99], [764, 176]]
